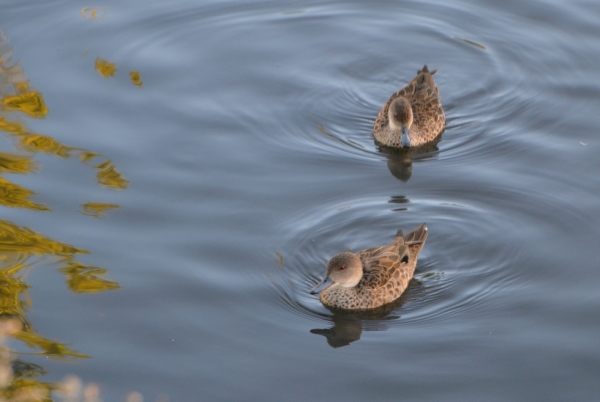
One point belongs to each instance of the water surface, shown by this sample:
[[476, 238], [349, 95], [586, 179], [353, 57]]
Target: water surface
[[175, 175]]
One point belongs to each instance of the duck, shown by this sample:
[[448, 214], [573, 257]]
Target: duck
[[413, 116], [373, 277]]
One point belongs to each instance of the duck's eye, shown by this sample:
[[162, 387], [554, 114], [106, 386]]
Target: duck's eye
[[396, 116], [342, 268]]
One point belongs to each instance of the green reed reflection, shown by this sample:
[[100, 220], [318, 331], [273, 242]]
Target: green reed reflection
[[16, 239], [86, 279], [22, 248], [13, 195]]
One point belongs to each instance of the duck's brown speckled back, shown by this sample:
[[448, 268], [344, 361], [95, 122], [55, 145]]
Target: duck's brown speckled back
[[386, 273], [428, 115]]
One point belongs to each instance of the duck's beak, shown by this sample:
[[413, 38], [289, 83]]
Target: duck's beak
[[325, 283], [405, 137]]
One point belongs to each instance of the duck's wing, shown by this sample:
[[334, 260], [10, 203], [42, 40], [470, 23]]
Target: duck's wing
[[369, 253], [379, 270], [423, 80], [426, 103], [421, 89], [408, 91], [375, 252]]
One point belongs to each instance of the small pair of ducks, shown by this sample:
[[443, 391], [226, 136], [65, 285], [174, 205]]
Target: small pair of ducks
[[376, 276]]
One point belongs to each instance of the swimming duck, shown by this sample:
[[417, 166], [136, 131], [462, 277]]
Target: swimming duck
[[413, 116], [371, 277]]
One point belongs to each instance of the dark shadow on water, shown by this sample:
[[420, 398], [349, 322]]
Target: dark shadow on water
[[348, 325], [400, 159], [399, 199]]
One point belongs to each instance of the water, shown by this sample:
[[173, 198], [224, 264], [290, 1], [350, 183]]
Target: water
[[170, 232]]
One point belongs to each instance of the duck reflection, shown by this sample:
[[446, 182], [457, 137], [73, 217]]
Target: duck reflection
[[399, 199], [400, 159], [348, 325], [21, 248]]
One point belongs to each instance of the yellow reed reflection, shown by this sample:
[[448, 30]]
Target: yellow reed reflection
[[10, 127], [30, 103], [19, 247], [105, 68], [18, 379], [109, 176], [22, 249], [43, 143], [12, 163], [23, 240], [98, 209], [90, 13], [17, 96], [136, 78]]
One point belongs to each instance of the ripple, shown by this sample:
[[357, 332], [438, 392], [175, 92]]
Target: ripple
[[325, 110], [473, 253], [251, 158]]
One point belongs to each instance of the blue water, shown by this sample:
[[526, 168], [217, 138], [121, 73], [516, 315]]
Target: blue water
[[246, 161]]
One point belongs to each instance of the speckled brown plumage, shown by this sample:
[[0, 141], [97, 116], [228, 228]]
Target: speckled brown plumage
[[386, 272], [428, 115]]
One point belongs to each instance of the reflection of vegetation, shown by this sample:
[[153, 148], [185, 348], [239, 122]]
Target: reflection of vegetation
[[90, 13], [43, 143], [136, 78], [109, 176], [97, 209], [15, 239], [18, 379], [22, 248], [11, 163], [105, 68], [30, 103], [13, 195], [86, 279]]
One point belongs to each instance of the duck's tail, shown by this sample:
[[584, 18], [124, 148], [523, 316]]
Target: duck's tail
[[426, 70], [415, 240], [418, 235]]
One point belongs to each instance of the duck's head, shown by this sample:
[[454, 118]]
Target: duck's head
[[344, 269], [400, 116]]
